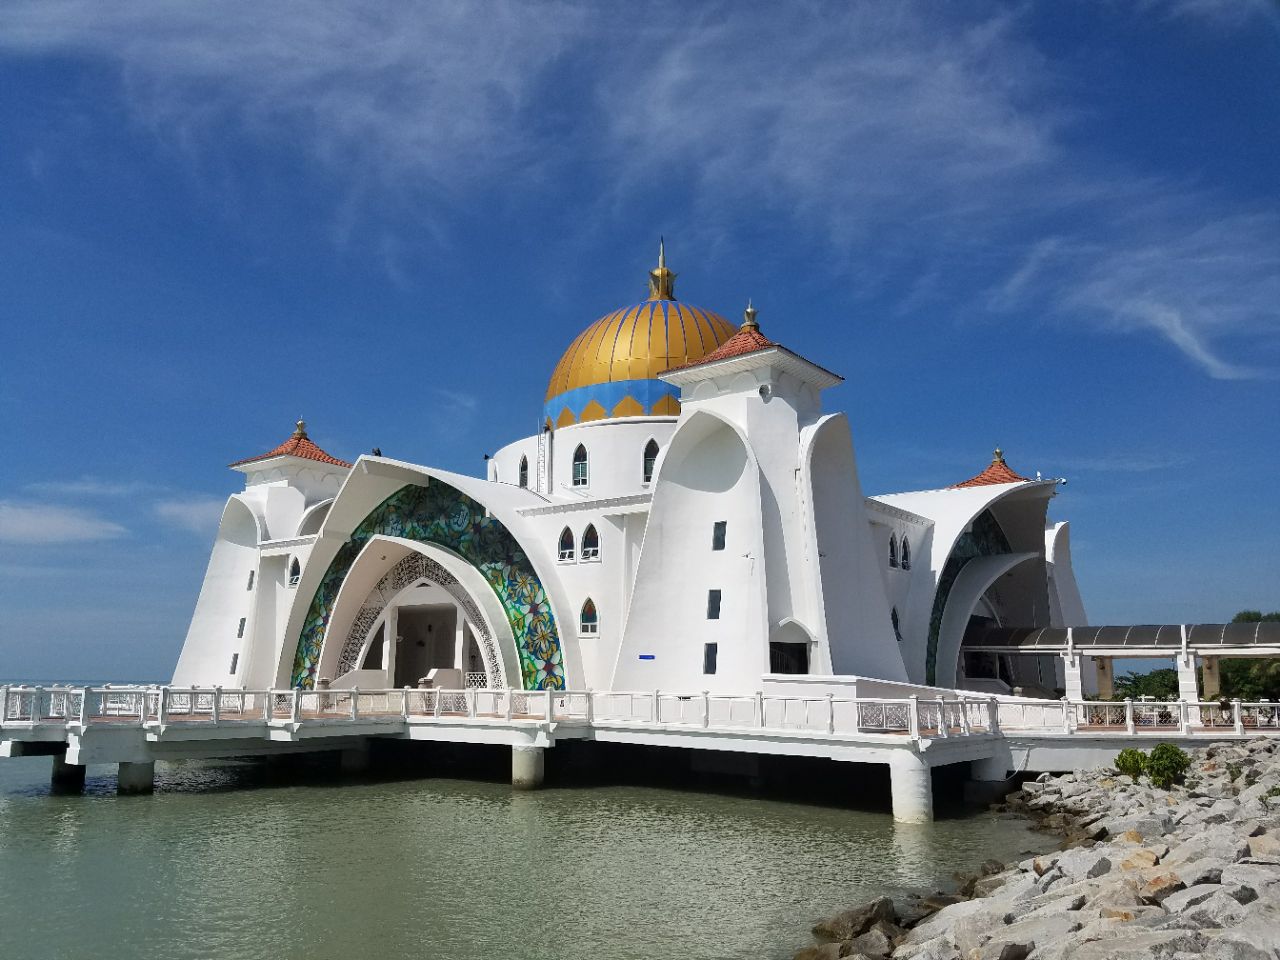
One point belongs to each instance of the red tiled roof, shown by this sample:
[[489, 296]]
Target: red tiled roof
[[298, 445], [998, 472], [748, 339]]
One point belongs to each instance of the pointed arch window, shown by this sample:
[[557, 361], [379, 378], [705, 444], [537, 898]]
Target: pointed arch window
[[893, 550], [897, 627], [650, 459], [295, 572], [905, 554], [524, 471], [590, 543], [590, 622], [566, 544], [581, 469]]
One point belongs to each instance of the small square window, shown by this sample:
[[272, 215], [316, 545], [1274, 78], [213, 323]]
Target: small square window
[[713, 604], [709, 652], [240, 629], [717, 534], [235, 662]]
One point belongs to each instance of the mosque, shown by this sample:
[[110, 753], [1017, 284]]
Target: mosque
[[687, 518]]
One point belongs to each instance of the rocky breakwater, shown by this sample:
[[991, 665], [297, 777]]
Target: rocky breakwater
[[1191, 871]]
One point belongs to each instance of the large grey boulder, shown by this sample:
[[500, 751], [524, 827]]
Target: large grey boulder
[[1190, 897], [1217, 910], [855, 921]]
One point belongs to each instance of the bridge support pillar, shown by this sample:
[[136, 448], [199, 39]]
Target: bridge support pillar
[[1071, 677], [136, 778], [66, 777], [1106, 679], [911, 784], [1211, 678], [528, 767], [354, 759], [1188, 685]]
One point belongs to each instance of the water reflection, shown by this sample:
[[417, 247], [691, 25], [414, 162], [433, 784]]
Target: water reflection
[[233, 860]]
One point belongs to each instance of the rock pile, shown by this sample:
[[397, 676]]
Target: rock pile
[[1192, 872]]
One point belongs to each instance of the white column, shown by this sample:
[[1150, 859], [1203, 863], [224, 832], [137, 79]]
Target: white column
[[460, 642], [912, 787], [528, 767], [136, 777], [1188, 687], [1071, 676]]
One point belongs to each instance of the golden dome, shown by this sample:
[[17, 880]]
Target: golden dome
[[611, 369]]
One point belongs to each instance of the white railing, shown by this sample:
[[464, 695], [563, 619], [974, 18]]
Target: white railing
[[829, 715], [1135, 717]]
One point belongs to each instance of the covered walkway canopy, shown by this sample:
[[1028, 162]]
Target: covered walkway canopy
[[1205, 639]]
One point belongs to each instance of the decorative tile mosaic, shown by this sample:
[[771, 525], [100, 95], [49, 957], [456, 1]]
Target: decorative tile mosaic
[[442, 515]]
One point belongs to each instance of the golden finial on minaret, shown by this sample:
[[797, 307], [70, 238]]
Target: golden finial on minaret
[[662, 282], [300, 428], [749, 321], [998, 457]]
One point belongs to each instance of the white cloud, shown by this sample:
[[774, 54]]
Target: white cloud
[[904, 139], [38, 524], [90, 487], [196, 514]]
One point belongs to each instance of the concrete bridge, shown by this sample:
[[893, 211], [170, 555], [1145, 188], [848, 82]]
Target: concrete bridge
[[134, 727]]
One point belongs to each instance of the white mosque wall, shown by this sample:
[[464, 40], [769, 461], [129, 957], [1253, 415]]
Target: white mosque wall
[[225, 614], [615, 457], [708, 474], [852, 610]]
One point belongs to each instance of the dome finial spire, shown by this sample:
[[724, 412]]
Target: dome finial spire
[[749, 321], [662, 282], [300, 428], [998, 456]]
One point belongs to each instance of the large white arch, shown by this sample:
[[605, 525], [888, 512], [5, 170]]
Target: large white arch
[[975, 579], [381, 557]]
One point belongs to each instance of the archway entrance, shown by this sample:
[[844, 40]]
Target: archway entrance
[[417, 618]]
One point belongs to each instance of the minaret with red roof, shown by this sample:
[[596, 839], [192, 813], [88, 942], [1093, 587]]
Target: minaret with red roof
[[297, 462]]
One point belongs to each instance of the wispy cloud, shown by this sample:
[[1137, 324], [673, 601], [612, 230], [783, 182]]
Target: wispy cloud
[[906, 139], [196, 514], [90, 487], [38, 524]]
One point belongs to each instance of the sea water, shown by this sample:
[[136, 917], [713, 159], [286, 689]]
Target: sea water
[[228, 861]]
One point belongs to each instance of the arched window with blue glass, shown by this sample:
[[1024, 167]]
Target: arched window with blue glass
[[581, 468], [566, 544]]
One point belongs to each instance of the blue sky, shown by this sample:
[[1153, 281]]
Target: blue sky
[[1053, 227]]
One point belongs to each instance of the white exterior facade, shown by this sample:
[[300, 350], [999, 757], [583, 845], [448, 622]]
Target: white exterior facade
[[744, 549]]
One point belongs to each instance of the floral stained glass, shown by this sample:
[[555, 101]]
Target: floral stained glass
[[442, 515]]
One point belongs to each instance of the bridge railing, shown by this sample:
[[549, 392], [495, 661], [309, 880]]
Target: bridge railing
[[1138, 716], [827, 714]]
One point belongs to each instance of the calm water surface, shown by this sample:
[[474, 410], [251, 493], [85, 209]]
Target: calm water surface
[[222, 864]]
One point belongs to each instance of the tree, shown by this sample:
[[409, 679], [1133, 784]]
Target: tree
[[1248, 679], [1160, 684], [1256, 616]]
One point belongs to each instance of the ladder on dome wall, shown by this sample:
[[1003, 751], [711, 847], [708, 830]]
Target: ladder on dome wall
[[542, 459]]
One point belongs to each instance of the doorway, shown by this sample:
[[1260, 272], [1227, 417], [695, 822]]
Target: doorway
[[426, 639]]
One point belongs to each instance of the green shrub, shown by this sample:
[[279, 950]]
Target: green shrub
[[1166, 765], [1131, 762]]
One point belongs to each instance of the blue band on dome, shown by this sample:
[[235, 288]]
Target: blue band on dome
[[609, 395]]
